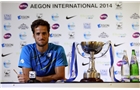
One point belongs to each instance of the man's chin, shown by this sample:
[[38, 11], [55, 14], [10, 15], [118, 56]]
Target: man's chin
[[41, 45]]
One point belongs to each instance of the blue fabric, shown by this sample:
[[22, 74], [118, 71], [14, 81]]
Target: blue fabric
[[44, 64]]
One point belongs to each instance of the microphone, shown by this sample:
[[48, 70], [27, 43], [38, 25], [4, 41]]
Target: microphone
[[32, 77]]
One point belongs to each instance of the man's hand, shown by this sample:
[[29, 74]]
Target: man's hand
[[21, 78]]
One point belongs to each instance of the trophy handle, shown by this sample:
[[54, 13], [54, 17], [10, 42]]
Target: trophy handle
[[79, 51], [109, 42]]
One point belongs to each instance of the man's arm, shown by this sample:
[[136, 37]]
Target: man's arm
[[59, 75], [26, 73]]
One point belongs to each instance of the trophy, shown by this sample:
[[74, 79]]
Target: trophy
[[92, 48]]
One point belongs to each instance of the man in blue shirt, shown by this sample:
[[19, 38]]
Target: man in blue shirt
[[47, 59]]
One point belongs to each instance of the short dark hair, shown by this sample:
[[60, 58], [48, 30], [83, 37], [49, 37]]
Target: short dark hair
[[41, 22]]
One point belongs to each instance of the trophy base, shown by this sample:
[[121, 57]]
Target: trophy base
[[87, 80]]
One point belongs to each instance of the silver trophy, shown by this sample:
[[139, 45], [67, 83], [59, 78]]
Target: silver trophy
[[92, 48]]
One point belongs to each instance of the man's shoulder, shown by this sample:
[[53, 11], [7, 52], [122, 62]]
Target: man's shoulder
[[55, 45], [29, 46]]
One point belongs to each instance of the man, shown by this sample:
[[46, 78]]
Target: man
[[47, 59]]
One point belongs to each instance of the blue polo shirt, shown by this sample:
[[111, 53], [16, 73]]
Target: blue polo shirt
[[44, 64]]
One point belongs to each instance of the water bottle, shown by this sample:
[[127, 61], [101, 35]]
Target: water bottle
[[134, 68], [125, 71]]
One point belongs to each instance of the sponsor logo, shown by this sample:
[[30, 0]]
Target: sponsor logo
[[22, 43], [23, 6], [115, 45], [121, 35], [104, 72], [22, 35], [135, 25], [39, 15], [119, 16], [7, 16], [117, 72], [103, 16], [55, 17], [7, 73], [103, 63], [22, 17], [4, 55], [6, 63], [55, 26], [135, 16], [71, 26], [55, 35], [71, 35], [7, 35], [136, 35], [23, 26], [103, 35], [7, 26], [118, 5], [103, 25], [87, 35], [134, 44], [87, 25], [119, 54], [69, 17], [7, 45], [39, 6], [87, 16], [119, 25]]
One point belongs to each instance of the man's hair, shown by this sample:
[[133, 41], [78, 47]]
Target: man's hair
[[39, 22]]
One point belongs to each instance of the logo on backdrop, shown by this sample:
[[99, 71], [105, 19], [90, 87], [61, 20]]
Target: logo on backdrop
[[103, 16], [39, 6], [135, 25], [103, 25], [87, 16], [119, 25], [71, 26], [7, 73], [22, 35], [119, 54], [23, 6], [6, 63], [136, 35], [55, 35], [22, 17], [135, 44], [22, 43], [23, 26], [55, 17], [39, 15], [87, 35], [104, 72], [119, 16], [121, 35], [69, 17], [71, 35], [117, 72], [103, 35], [7, 35], [7, 26], [87, 25], [6, 45], [135, 16], [7, 16], [4, 55], [55, 26], [118, 5]]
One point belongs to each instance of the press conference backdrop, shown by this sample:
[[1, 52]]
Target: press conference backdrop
[[87, 21]]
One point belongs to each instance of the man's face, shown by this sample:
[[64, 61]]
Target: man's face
[[41, 35]]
